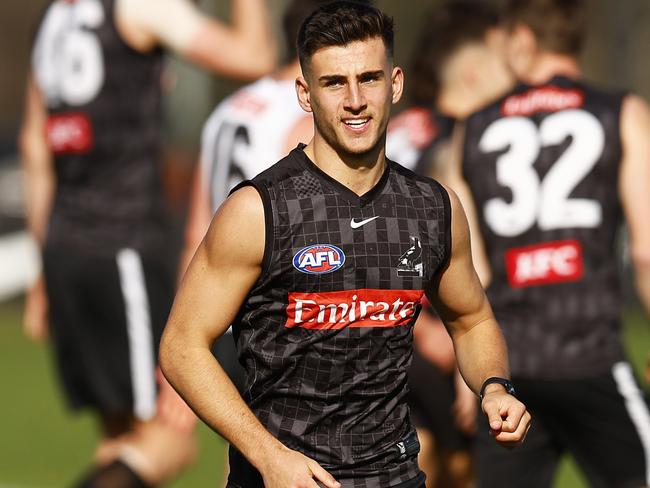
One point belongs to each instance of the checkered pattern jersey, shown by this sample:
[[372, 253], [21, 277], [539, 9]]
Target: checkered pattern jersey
[[338, 394], [565, 329], [108, 197]]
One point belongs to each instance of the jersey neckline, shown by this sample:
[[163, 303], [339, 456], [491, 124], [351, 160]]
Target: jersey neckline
[[342, 190]]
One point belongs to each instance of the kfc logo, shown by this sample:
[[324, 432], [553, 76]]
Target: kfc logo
[[70, 133], [548, 263]]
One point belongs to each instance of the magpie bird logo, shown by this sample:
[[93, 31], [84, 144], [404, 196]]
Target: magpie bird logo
[[410, 263]]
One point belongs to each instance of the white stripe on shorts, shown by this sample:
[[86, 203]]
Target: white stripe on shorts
[[138, 323], [636, 407]]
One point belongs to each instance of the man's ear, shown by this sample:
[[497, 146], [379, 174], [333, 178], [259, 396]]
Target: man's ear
[[397, 82], [304, 97]]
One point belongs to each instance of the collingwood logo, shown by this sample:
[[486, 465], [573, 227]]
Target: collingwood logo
[[410, 263]]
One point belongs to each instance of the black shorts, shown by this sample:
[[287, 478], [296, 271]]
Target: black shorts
[[106, 319], [226, 353], [602, 421], [430, 399]]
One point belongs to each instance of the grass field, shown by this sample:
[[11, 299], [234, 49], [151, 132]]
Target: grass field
[[44, 446]]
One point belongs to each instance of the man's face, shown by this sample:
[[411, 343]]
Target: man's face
[[350, 90]]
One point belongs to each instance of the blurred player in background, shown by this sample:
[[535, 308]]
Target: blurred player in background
[[548, 171], [90, 149], [460, 67]]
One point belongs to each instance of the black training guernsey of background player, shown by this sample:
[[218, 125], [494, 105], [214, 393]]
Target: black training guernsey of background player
[[325, 334], [542, 164], [103, 100]]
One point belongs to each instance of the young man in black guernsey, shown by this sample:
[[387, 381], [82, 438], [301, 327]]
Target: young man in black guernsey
[[320, 264], [552, 167], [90, 146]]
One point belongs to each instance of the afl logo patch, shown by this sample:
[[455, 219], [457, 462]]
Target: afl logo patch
[[319, 259]]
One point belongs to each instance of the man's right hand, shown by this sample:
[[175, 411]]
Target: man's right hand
[[291, 469], [35, 321], [508, 418]]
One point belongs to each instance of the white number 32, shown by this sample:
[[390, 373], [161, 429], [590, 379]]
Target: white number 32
[[544, 201]]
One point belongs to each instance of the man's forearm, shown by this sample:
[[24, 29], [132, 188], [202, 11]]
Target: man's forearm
[[206, 388], [252, 19], [37, 164], [39, 192], [481, 353]]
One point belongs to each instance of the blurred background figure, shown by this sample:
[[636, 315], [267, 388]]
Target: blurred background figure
[[547, 172], [90, 147], [460, 67]]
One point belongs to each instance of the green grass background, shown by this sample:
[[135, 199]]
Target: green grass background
[[44, 446]]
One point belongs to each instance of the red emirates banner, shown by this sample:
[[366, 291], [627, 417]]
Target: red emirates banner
[[352, 308]]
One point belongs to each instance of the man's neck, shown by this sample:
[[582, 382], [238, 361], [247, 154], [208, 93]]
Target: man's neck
[[455, 102], [359, 173], [547, 65]]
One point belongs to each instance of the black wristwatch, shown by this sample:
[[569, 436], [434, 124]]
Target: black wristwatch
[[507, 384]]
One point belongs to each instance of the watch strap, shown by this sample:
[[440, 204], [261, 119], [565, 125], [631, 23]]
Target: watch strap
[[506, 383]]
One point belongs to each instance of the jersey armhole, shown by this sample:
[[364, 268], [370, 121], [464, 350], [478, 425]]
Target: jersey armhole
[[268, 222], [446, 202]]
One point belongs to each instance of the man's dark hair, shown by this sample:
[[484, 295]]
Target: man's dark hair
[[340, 23], [558, 25], [295, 14], [447, 28]]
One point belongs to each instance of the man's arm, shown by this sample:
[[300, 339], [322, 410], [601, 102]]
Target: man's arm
[[37, 163], [244, 50], [480, 348], [633, 190], [39, 191], [448, 170], [223, 270]]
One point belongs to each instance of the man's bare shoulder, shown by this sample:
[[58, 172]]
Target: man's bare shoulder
[[237, 229], [454, 201]]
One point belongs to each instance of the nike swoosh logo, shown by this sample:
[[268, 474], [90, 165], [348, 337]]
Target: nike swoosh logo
[[355, 225]]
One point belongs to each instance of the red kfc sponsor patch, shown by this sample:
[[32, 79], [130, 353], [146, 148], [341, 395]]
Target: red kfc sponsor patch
[[547, 263], [353, 308], [70, 133]]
